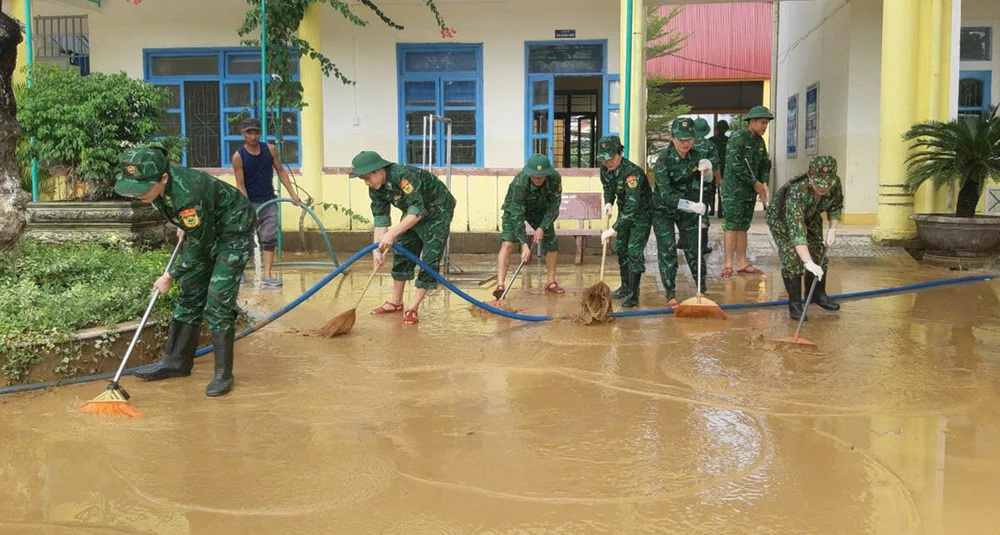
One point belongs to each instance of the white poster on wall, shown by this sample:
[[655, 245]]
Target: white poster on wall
[[812, 112]]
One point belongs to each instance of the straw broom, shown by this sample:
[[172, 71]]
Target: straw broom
[[114, 400], [796, 341], [596, 305], [699, 306], [343, 323]]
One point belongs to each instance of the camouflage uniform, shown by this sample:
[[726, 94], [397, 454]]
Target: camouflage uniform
[[628, 187], [415, 192], [536, 205], [794, 218], [676, 178], [710, 153], [720, 141], [219, 224], [738, 195]]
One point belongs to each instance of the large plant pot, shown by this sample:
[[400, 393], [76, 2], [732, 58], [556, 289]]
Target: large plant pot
[[59, 222], [961, 242]]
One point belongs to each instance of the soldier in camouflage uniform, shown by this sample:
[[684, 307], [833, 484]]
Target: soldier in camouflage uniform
[[428, 208], [678, 173], [534, 197], [797, 227], [720, 140], [217, 224], [625, 183], [747, 170], [711, 153]]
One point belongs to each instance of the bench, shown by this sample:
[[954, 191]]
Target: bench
[[579, 207]]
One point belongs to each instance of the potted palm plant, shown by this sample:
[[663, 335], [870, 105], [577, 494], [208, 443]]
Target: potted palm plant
[[965, 152]]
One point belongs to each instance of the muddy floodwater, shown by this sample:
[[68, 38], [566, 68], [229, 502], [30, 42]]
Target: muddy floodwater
[[467, 424]]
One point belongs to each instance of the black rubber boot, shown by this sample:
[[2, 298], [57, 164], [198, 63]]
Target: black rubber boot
[[794, 288], [222, 348], [622, 290], [705, 249], [819, 296], [632, 299], [177, 358]]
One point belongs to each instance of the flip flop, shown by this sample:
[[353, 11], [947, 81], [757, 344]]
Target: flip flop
[[750, 270], [382, 310], [672, 304], [727, 273]]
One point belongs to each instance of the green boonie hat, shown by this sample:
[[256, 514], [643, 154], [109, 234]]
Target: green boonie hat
[[759, 112], [366, 162], [538, 165], [701, 127], [607, 147], [682, 128], [140, 169]]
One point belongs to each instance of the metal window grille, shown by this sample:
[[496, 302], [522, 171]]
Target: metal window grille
[[63, 40]]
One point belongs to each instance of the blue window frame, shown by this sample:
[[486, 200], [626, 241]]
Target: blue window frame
[[209, 87], [974, 89], [444, 80]]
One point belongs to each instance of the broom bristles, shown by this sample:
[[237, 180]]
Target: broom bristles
[[596, 305], [700, 307], [110, 403], [339, 325], [796, 343]]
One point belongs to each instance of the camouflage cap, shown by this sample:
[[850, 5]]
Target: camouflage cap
[[140, 168], [250, 123], [366, 162], [538, 165], [759, 112], [823, 171], [701, 127], [682, 128], [607, 147]]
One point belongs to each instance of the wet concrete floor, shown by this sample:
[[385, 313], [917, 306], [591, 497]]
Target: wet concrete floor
[[472, 425]]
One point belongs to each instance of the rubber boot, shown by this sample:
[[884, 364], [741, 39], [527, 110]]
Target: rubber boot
[[705, 249], [177, 358], [222, 348], [794, 288], [622, 290], [632, 299], [819, 296]]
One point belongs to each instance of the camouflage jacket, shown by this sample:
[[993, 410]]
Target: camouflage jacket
[[744, 148], [720, 141], [802, 200], [412, 190], [524, 199], [629, 187], [208, 210], [676, 179]]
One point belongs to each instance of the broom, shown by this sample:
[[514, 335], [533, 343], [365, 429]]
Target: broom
[[343, 323], [596, 305], [699, 306], [114, 400], [796, 341]]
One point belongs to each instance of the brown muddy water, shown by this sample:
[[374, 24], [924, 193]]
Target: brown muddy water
[[472, 425]]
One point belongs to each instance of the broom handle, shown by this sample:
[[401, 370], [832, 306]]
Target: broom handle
[[512, 279], [701, 199], [763, 201], [145, 317], [604, 252], [809, 298], [365, 290]]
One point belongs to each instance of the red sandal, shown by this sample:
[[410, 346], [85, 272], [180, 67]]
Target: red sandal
[[727, 273], [382, 310], [410, 317], [553, 288], [498, 292]]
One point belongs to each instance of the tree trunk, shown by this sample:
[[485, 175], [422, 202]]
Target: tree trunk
[[968, 199], [12, 199]]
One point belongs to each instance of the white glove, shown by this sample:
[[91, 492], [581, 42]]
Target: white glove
[[708, 177], [607, 210], [811, 267], [685, 205], [831, 237], [704, 165], [608, 234]]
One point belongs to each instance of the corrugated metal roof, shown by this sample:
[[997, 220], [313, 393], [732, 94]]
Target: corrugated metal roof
[[728, 42]]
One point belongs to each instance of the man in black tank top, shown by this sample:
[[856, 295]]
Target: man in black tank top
[[254, 169]]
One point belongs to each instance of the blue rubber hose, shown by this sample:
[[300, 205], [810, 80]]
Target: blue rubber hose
[[319, 225]]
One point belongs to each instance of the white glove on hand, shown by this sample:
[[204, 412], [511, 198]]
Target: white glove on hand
[[704, 165], [708, 177], [607, 210], [831, 237], [811, 267], [608, 234], [685, 205]]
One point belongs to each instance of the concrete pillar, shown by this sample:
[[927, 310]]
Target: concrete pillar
[[17, 11], [312, 142], [633, 76]]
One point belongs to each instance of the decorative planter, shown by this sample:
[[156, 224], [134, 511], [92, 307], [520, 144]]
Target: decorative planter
[[959, 242], [129, 221]]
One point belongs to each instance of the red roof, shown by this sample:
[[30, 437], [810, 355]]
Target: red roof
[[728, 42]]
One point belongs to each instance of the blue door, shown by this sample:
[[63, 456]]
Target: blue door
[[541, 116], [974, 92]]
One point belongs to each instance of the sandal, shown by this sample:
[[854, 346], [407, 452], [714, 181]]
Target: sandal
[[410, 317], [672, 303], [727, 273], [498, 292], [382, 310], [553, 288], [750, 270]]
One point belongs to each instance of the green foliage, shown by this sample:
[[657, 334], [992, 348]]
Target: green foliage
[[48, 292], [965, 151], [81, 124], [344, 210], [662, 107]]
